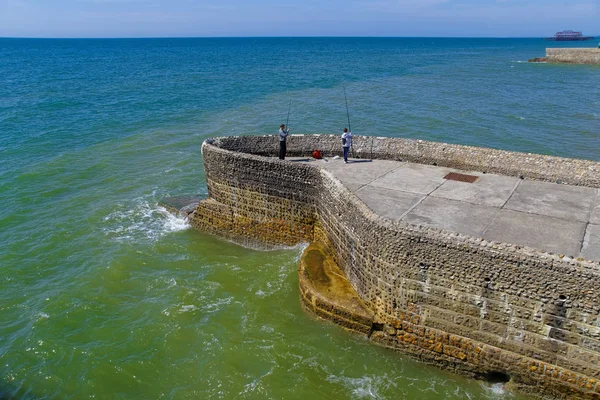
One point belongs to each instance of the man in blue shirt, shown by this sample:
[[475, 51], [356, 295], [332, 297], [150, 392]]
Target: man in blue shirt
[[283, 134]]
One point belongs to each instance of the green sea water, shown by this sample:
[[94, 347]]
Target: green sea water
[[104, 295]]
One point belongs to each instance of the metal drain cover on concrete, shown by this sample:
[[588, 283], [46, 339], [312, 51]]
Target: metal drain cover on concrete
[[453, 176]]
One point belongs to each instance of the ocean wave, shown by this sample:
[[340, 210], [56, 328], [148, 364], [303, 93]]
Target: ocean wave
[[144, 220], [365, 387], [187, 308]]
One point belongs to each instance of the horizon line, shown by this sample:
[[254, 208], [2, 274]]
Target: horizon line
[[273, 37]]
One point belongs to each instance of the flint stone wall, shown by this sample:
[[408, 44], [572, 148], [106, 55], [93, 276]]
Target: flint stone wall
[[468, 158], [476, 307], [573, 55]]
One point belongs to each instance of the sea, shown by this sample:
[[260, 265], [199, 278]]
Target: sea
[[105, 295]]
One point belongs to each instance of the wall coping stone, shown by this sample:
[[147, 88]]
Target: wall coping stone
[[531, 166]]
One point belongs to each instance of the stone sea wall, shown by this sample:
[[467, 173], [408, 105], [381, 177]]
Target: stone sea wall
[[573, 55], [482, 309], [254, 201]]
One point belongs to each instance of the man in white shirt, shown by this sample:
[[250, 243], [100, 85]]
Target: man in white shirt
[[346, 143], [283, 134]]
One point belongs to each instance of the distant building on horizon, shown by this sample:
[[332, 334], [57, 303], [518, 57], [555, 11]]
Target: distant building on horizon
[[569, 35]]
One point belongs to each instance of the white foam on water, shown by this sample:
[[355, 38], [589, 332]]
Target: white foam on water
[[273, 286], [431, 388], [173, 223], [496, 391], [268, 329], [144, 220], [255, 384], [205, 306], [41, 316], [365, 387], [460, 393], [216, 305], [187, 308]]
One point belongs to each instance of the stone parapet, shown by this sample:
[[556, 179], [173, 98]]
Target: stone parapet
[[484, 309], [468, 158]]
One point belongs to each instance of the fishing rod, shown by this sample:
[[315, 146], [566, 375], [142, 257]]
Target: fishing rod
[[348, 115], [287, 123]]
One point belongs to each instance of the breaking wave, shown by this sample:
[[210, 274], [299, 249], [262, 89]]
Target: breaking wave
[[144, 220]]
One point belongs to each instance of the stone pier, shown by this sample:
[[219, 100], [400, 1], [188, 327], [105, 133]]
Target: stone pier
[[570, 56], [480, 261]]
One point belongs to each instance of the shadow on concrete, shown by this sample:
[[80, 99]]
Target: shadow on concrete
[[358, 161], [301, 160]]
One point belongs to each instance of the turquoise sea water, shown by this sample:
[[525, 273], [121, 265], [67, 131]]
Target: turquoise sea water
[[104, 295]]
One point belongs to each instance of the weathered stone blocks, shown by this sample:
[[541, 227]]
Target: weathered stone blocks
[[573, 55]]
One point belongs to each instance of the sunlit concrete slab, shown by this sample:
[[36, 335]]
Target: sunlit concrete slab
[[353, 186], [488, 189], [392, 204], [591, 243], [413, 178], [554, 200], [595, 216], [452, 215], [359, 172], [538, 231], [546, 216]]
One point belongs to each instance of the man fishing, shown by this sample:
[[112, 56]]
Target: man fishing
[[283, 134], [346, 143], [347, 135]]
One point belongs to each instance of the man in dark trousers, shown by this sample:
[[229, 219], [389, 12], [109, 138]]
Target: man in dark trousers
[[283, 134], [346, 143]]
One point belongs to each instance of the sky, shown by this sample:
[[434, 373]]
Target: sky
[[217, 18]]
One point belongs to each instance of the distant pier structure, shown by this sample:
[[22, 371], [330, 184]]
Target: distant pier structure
[[569, 36]]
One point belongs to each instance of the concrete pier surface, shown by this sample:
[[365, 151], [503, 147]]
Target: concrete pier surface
[[557, 218]]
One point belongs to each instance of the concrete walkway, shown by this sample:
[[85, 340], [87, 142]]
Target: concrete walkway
[[558, 218]]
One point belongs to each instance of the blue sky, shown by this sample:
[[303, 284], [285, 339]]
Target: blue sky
[[157, 18]]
